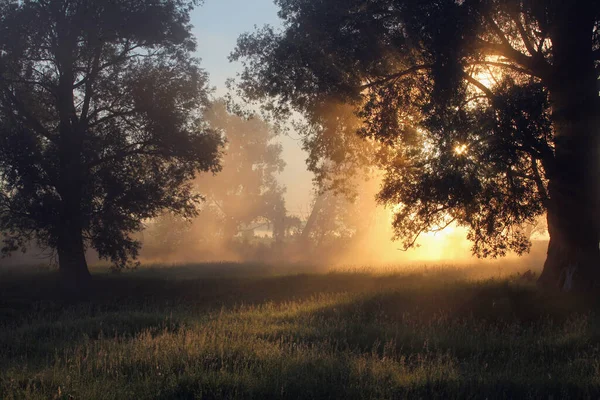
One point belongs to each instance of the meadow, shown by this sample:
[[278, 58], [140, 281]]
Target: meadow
[[243, 331]]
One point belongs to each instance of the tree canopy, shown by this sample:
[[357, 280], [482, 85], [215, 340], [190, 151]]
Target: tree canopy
[[100, 123], [485, 112]]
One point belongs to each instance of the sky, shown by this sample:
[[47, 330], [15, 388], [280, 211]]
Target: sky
[[217, 25]]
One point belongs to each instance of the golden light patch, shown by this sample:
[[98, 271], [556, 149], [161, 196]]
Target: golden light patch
[[461, 149]]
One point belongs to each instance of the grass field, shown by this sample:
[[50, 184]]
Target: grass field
[[250, 331]]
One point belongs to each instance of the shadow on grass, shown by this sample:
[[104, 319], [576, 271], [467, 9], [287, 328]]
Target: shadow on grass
[[167, 291], [337, 379], [502, 339], [323, 387]]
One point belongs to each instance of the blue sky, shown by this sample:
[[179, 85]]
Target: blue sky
[[217, 25]]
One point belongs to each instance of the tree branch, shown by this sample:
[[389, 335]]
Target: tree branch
[[512, 67], [112, 116], [538, 181], [447, 224], [133, 149], [536, 67], [497, 31], [28, 117], [479, 86], [427, 220], [94, 71], [409, 71], [524, 36], [411, 244], [122, 56], [543, 37]]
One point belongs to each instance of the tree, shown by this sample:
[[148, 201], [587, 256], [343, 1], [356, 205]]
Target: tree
[[100, 124], [246, 192], [243, 197], [335, 221], [489, 111]]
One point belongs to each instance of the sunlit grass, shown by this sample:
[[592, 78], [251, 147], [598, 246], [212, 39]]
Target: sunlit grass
[[350, 333]]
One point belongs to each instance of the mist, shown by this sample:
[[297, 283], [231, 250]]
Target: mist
[[243, 216]]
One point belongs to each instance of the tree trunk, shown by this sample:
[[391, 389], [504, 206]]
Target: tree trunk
[[71, 258], [573, 261], [70, 244], [312, 220]]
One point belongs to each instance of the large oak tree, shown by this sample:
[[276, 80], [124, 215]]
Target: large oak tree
[[487, 112], [100, 123]]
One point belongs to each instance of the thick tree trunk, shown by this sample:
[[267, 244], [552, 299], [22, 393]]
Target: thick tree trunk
[[573, 262], [70, 243], [71, 258]]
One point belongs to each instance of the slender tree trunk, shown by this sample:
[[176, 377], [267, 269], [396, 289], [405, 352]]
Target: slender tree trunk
[[312, 220], [573, 261]]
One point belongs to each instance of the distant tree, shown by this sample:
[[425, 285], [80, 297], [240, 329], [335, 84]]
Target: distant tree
[[243, 197], [341, 220], [334, 220], [100, 127], [246, 192], [489, 111]]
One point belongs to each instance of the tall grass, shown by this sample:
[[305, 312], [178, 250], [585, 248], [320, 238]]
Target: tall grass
[[184, 333]]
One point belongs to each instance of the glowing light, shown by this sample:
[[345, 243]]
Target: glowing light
[[461, 149]]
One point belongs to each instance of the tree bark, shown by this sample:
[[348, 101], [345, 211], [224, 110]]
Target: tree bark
[[71, 258], [573, 261], [70, 243]]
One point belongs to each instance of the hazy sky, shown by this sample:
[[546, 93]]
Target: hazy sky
[[217, 25]]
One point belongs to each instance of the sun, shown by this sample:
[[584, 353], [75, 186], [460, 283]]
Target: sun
[[460, 149]]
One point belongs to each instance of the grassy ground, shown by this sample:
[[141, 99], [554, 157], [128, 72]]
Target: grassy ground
[[226, 331]]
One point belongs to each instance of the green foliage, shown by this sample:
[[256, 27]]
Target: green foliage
[[243, 331], [452, 97], [100, 122]]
